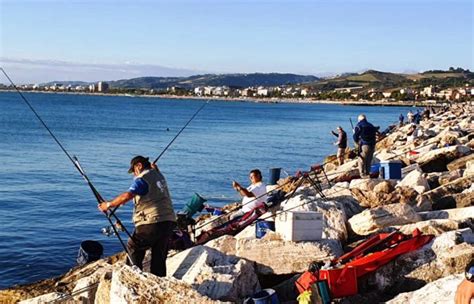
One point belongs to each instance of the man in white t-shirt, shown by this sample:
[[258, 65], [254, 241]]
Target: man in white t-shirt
[[253, 196]]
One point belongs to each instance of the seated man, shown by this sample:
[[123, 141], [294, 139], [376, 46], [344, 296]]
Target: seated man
[[253, 196]]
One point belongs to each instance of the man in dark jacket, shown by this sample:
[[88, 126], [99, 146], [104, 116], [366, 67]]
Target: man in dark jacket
[[365, 137], [153, 215], [341, 144]]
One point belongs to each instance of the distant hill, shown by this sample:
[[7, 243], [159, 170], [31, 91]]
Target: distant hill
[[384, 80], [231, 80]]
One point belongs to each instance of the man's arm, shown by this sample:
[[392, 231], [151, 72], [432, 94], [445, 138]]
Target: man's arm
[[242, 191], [119, 200], [334, 133], [356, 136]]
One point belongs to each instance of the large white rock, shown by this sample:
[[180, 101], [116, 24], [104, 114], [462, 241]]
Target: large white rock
[[372, 220], [441, 291], [416, 180], [434, 226], [214, 274], [86, 287], [132, 286], [366, 184], [46, 298], [453, 214], [276, 256], [469, 168]]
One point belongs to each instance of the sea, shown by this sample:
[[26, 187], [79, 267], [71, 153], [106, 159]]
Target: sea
[[47, 209]]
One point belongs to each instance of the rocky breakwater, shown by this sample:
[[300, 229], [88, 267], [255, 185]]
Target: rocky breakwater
[[435, 196]]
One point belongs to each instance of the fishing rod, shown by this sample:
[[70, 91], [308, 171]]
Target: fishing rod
[[180, 131], [75, 162], [171, 142]]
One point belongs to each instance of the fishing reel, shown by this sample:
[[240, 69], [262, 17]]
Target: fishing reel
[[109, 230]]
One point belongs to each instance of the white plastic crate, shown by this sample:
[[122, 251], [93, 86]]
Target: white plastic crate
[[300, 225]]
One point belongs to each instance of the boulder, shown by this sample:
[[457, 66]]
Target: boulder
[[132, 286], [457, 214], [276, 256], [226, 244], [435, 226], [416, 180], [46, 298], [214, 274], [445, 255], [102, 295], [373, 199], [449, 176], [437, 160], [86, 287], [469, 169], [384, 187], [367, 184], [460, 163], [372, 220], [442, 197], [440, 291]]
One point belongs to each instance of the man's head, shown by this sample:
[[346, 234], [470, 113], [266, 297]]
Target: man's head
[[138, 164], [339, 129], [361, 117], [255, 176]]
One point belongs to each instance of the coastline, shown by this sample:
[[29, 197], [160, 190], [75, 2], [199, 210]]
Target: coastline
[[253, 100]]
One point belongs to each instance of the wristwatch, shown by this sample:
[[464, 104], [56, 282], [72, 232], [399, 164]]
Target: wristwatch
[[470, 272]]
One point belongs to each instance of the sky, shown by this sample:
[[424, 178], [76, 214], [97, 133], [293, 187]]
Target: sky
[[107, 40]]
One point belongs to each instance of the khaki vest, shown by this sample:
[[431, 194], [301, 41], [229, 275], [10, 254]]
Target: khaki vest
[[155, 206]]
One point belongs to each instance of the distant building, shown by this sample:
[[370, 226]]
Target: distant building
[[247, 92], [429, 91], [348, 90], [102, 86], [92, 87], [199, 91], [387, 94]]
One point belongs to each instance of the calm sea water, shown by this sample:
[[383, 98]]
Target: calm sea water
[[46, 209]]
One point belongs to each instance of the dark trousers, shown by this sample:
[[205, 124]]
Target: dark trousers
[[366, 154], [154, 236]]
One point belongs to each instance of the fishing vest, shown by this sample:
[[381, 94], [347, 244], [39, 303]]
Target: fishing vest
[[155, 206]]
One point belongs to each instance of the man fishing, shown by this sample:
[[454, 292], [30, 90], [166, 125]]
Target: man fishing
[[253, 196], [341, 144], [365, 137], [153, 214]]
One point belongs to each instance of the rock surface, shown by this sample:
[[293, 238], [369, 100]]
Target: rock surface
[[214, 274], [132, 286], [438, 292], [371, 220]]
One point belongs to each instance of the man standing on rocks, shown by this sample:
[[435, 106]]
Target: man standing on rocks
[[341, 144], [400, 120], [364, 136], [153, 215]]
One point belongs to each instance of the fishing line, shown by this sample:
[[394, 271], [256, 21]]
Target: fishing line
[[76, 164]]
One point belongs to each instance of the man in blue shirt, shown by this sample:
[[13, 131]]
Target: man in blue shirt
[[365, 137], [153, 214]]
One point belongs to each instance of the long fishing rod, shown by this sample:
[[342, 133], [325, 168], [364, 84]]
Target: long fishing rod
[[74, 161], [171, 142], [180, 131]]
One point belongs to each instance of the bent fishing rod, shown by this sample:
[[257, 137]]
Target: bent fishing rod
[[77, 165]]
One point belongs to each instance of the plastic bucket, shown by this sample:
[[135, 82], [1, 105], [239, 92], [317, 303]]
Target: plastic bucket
[[274, 175], [195, 204], [89, 251], [265, 296], [261, 228]]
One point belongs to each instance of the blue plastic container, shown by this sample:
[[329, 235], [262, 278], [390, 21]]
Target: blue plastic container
[[375, 168], [391, 169], [274, 175], [261, 228]]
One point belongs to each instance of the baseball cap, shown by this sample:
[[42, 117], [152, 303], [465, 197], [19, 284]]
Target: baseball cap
[[138, 159]]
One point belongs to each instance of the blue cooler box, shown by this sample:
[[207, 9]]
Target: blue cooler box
[[391, 169]]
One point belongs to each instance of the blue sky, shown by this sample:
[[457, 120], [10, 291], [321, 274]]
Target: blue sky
[[93, 40]]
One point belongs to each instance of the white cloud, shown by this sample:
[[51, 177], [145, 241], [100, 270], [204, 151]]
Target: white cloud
[[36, 71]]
